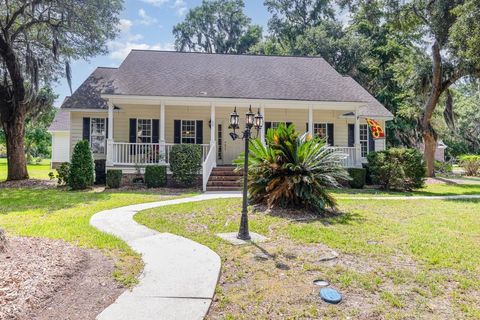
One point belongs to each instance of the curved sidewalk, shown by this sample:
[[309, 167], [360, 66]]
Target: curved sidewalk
[[180, 275]]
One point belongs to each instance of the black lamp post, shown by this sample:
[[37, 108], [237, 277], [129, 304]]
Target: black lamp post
[[251, 120]]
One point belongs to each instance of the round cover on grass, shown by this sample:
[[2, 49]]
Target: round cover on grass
[[330, 295]]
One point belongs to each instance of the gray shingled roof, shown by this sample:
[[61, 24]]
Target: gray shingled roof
[[61, 122], [373, 108], [87, 96], [182, 74]]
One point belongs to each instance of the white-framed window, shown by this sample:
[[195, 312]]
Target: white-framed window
[[320, 130], [144, 130], [188, 131], [364, 140], [276, 124], [219, 142], [98, 129]]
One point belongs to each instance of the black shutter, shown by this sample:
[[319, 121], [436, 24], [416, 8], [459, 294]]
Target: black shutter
[[155, 130], [86, 129], [199, 131], [268, 125], [351, 135], [133, 131], [106, 128], [177, 131], [330, 134], [288, 124], [371, 142], [306, 127]]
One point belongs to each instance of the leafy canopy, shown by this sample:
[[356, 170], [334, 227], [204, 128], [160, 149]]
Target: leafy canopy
[[217, 26]]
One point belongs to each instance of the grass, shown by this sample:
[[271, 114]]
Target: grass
[[440, 189], [58, 214], [36, 171], [398, 259]]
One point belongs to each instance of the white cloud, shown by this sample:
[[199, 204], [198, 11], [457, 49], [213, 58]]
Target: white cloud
[[127, 41], [180, 7], [156, 3], [145, 18]]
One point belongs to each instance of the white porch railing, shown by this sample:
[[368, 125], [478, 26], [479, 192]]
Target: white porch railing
[[125, 153], [351, 155], [208, 164]]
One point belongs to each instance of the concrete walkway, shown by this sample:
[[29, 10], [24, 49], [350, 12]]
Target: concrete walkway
[[180, 275]]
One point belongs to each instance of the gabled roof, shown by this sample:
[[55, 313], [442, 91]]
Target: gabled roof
[[202, 75], [373, 108], [87, 96], [61, 122]]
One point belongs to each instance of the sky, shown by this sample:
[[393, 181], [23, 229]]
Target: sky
[[146, 24]]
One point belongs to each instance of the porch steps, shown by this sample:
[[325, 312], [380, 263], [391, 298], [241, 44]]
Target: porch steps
[[224, 179]]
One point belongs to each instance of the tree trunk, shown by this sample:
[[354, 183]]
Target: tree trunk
[[430, 143], [14, 134]]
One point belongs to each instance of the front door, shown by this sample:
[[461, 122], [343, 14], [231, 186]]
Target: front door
[[229, 150]]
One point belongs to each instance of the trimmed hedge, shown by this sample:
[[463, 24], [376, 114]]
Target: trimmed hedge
[[185, 163], [155, 176], [82, 167], [470, 163], [397, 169], [114, 178], [359, 176]]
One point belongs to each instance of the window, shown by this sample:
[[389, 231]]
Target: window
[[320, 130], [144, 130], [364, 139], [97, 135], [188, 131], [276, 124]]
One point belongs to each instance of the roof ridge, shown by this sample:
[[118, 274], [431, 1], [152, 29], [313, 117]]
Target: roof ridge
[[107, 67], [230, 54]]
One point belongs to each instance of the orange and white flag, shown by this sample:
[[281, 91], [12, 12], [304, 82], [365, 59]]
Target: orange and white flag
[[377, 130]]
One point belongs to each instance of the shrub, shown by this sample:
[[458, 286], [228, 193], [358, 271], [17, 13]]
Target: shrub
[[185, 163], [443, 167], [3, 241], [359, 176], [293, 170], [63, 171], [470, 163], [114, 178], [155, 176], [397, 169], [82, 168]]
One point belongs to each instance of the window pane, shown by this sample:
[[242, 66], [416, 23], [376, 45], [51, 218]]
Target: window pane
[[364, 139], [144, 130], [320, 130], [97, 135], [276, 124], [188, 131]]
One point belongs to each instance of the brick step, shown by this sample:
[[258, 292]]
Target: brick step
[[224, 188], [224, 183], [226, 173], [224, 178]]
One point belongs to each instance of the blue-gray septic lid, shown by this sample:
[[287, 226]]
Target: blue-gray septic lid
[[330, 295]]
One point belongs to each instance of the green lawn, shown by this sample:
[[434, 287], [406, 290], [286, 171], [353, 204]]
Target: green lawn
[[36, 171], [398, 259], [440, 189], [58, 214]]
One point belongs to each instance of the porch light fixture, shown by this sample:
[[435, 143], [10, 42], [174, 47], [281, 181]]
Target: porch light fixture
[[251, 120]]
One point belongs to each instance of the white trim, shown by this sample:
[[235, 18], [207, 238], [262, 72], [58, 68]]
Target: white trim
[[239, 102], [104, 136], [195, 132], [151, 130]]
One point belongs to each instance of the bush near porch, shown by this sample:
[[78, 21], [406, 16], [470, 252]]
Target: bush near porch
[[397, 169], [185, 163]]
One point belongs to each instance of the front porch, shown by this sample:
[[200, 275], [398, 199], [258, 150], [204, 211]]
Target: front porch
[[142, 133]]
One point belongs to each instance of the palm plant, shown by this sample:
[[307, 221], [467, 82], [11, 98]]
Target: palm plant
[[293, 170]]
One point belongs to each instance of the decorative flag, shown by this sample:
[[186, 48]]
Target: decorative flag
[[377, 130]]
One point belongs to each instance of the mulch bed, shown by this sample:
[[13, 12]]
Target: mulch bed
[[51, 279], [30, 183]]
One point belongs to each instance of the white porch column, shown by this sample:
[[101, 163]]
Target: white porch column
[[162, 131], [358, 150], [310, 120], [262, 130], [109, 160], [212, 124]]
